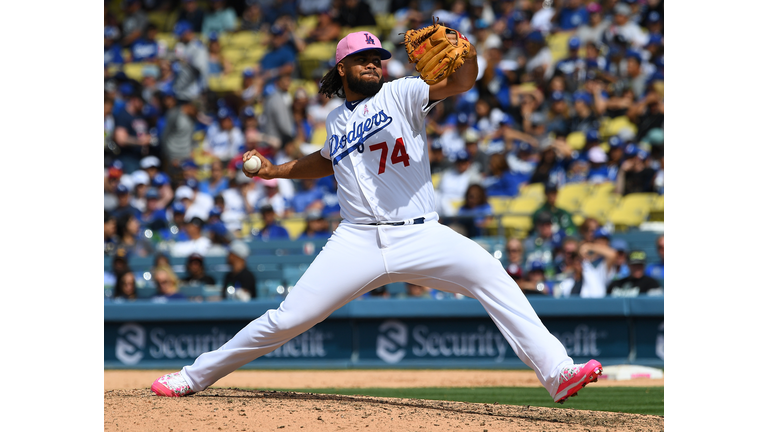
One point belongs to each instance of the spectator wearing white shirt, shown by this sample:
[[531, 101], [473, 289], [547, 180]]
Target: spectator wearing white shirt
[[223, 139], [622, 25], [197, 242], [598, 259]]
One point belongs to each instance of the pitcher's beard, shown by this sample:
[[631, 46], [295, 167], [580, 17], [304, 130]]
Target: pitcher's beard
[[364, 87]]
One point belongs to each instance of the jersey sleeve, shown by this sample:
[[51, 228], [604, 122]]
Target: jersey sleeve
[[413, 95]]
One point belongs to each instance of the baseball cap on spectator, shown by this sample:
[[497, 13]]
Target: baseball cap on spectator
[[550, 187], [213, 36], [357, 42], [436, 144], [215, 212], [574, 43], [535, 37], [481, 24], [462, 118], [184, 191], [536, 266], [149, 162], [269, 183], [631, 150], [538, 118], [523, 147], [248, 73], [160, 179], [471, 135], [620, 245], [632, 54], [508, 65], [654, 17], [544, 218], [615, 141], [122, 189], [181, 28], [249, 112], [276, 30], [582, 96], [594, 7], [602, 233], [314, 214], [140, 177], [178, 208], [195, 257], [266, 209], [126, 89], [655, 39], [507, 120], [557, 96], [622, 9], [240, 249], [189, 164], [111, 32], [593, 135], [223, 113], [192, 183], [597, 155], [636, 257], [462, 156], [152, 193], [196, 221], [655, 136]]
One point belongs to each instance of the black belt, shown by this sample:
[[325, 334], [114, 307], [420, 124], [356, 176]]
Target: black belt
[[416, 221]]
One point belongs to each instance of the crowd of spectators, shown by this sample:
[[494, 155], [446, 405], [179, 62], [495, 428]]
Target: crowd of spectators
[[172, 146]]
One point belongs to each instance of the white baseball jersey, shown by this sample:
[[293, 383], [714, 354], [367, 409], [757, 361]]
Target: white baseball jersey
[[379, 154]]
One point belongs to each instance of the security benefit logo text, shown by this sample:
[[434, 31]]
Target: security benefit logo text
[[396, 341]]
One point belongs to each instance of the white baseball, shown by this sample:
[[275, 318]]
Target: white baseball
[[253, 164]]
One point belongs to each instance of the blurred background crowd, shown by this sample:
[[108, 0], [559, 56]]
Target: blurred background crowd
[[554, 160]]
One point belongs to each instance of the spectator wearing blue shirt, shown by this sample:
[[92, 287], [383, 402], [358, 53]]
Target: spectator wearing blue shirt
[[217, 182], [132, 131], [112, 50], [145, 49], [475, 214], [318, 227], [656, 270], [281, 55], [153, 216], [271, 230], [584, 118], [598, 171], [309, 197], [501, 181], [573, 68], [572, 15]]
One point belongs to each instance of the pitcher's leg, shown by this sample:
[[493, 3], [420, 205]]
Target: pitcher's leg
[[340, 273], [446, 260]]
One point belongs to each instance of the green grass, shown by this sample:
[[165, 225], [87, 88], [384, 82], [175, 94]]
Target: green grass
[[637, 400]]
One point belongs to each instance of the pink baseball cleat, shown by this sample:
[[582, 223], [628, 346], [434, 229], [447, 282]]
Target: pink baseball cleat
[[574, 378], [171, 385]]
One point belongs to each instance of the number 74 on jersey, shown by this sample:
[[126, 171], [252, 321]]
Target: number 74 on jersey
[[399, 154]]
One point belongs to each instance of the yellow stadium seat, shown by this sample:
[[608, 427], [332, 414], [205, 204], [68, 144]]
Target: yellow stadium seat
[[309, 86], [598, 206], [374, 30], [603, 188], [255, 53], [319, 134], [436, 179], [643, 201], [516, 226], [611, 127], [657, 209], [570, 196], [295, 226], [535, 190], [576, 140], [168, 38], [558, 45], [633, 209], [233, 54], [457, 203], [159, 19], [226, 83], [244, 39], [133, 70], [385, 22], [524, 205], [499, 204]]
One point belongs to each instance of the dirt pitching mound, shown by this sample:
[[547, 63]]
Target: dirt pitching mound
[[248, 410]]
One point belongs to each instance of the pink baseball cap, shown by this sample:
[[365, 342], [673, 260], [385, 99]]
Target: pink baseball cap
[[359, 41]]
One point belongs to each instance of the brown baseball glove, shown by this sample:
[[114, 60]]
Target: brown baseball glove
[[436, 57]]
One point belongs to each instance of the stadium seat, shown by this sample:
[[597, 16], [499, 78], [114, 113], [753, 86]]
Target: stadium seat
[[233, 54], [436, 179], [294, 225], [576, 140], [161, 19], [602, 188], [225, 83], [632, 209], [598, 206], [534, 190], [246, 40], [525, 205], [570, 196], [516, 226], [385, 22], [611, 127], [499, 204], [657, 209], [134, 70], [558, 45], [168, 38]]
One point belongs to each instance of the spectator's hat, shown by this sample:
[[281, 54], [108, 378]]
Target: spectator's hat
[[471, 135], [655, 137], [182, 27], [655, 39], [593, 135], [266, 209], [149, 162], [140, 177], [184, 192], [213, 36], [536, 266], [535, 37], [122, 189], [538, 118], [436, 144], [248, 73], [269, 183], [507, 120], [622, 9], [356, 42], [215, 212], [632, 54], [189, 164], [481, 24], [249, 112], [602, 233], [462, 118], [196, 221], [550, 187], [508, 65], [195, 257], [111, 32], [462, 156], [524, 147], [615, 141], [597, 155], [654, 17], [223, 113], [636, 257], [620, 245], [178, 208], [313, 215], [594, 7], [160, 179], [152, 193], [574, 43], [557, 96], [631, 150], [240, 249], [583, 96], [544, 217], [126, 89], [192, 183]]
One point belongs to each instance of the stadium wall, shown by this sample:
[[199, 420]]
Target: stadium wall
[[381, 333]]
